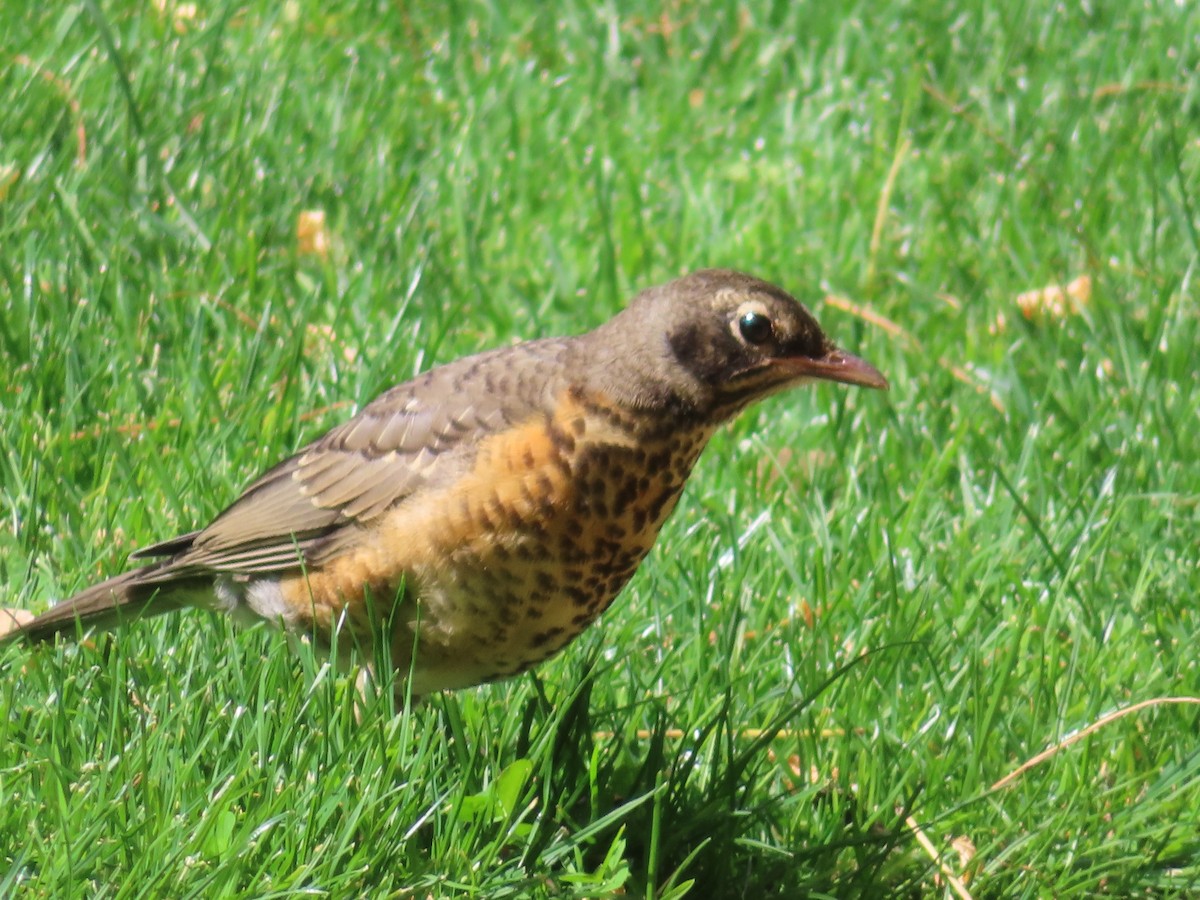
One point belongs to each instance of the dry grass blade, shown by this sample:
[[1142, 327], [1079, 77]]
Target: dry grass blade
[[1066, 742], [956, 884]]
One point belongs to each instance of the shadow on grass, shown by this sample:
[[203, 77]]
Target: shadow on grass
[[659, 812]]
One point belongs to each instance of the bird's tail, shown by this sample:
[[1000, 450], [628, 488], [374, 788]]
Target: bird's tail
[[148, 591]]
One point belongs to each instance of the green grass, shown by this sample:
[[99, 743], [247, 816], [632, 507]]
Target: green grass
[[994, 556]]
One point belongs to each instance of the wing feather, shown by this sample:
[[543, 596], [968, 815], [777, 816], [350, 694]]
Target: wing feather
[[421, 432]]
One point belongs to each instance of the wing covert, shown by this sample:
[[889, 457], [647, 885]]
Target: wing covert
[[420, 432]]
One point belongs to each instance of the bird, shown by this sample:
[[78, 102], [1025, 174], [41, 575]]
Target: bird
[[471, 522]]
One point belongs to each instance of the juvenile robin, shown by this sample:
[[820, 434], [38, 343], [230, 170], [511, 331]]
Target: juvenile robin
[[480, 516]]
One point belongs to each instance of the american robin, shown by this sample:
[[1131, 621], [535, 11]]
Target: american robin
[[489, 510]]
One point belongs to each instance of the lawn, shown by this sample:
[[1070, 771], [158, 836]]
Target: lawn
[[935, 642]]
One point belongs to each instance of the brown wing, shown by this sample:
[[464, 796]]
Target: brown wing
[[420, 432]]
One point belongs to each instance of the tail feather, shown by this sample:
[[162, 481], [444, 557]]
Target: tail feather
[[128, 597]]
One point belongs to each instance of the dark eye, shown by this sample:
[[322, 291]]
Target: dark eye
[[755, 327]]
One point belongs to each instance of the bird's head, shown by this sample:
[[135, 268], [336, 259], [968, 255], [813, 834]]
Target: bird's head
[[717, 340]]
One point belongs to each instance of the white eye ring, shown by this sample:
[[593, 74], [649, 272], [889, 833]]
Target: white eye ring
[[752, 325]]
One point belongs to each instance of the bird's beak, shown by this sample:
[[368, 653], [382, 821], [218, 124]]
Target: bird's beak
[[836, 365]]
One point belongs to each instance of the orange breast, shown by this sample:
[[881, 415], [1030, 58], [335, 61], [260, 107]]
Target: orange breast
[[504, 566]]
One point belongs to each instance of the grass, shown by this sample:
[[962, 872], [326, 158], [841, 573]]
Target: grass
[[867, 609]]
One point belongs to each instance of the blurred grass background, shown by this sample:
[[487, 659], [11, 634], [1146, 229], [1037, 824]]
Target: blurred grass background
[[867, 609]]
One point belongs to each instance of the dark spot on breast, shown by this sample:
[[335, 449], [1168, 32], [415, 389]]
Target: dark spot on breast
[[607, 548], [616, 531], [535, 528], [483, 515], [627, 494], [544, 637], [583, 467], [570, 550], [531, 502], [628, 561], [604, 567], [562, 441], [616, 582], [664, 496], [545, 486]]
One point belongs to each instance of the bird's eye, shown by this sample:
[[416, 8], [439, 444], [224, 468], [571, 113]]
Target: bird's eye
[[755, 327]]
